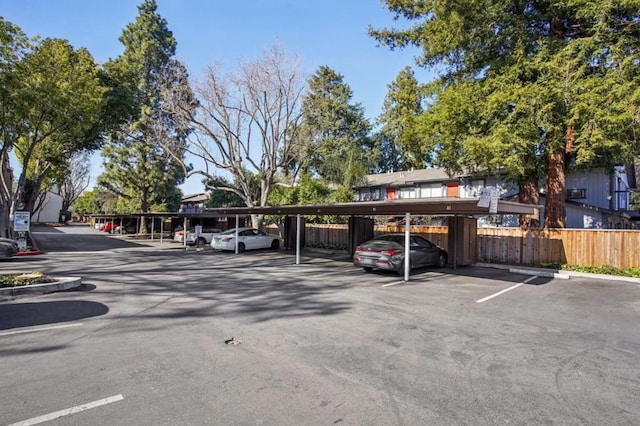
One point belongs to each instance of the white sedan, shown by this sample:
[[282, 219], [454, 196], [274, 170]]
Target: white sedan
[[248, 239]]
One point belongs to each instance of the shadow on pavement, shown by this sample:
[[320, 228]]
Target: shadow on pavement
[[16, 315], [499, 274]]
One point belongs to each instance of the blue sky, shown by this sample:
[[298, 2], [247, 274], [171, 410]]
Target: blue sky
[[320, 32]]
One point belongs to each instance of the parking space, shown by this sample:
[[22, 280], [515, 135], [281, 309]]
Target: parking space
[[321, 342]]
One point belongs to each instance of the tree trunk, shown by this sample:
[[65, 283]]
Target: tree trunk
[[144, 207], [4, 221], [529, 194], [256, 220], [636, 170], [556, 183]]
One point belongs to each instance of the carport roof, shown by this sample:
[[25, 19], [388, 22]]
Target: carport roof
[[448, 206]]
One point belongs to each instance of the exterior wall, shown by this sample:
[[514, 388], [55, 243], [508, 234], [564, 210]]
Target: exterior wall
[[597, 186], [588, 194], [583, 218], [50, 210]]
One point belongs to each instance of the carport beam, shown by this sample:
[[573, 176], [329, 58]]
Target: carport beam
[[407, 245], [455, 241]]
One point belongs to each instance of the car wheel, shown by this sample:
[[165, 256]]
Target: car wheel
[[275, 244], [241, 247], [442, 261], [200, 242], [367, 268]]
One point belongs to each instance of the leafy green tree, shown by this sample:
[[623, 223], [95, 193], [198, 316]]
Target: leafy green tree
[[59, 105], [13, 46], [399, 138], [143, 163], [525, 84], [338, 148], [87, 204], [310, 190], [220, 197]]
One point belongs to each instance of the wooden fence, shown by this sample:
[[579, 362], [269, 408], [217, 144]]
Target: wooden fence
[[584, 247]]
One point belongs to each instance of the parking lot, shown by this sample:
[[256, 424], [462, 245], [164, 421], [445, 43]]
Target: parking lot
[[163, 336]]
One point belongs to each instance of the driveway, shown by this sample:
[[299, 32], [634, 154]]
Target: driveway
[[83, 238], [146, 341]]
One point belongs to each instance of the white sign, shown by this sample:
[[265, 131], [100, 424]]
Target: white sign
[[493, 205], [21, 221], [485, 198]]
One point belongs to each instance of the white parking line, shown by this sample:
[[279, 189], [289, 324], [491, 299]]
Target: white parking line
[[394, 283], [33, 330], [506, 289], [72, 410]]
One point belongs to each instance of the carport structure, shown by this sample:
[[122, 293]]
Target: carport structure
[[447, 206]]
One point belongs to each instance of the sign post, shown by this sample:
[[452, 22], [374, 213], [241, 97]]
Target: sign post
[[21, 225], [21, 221]]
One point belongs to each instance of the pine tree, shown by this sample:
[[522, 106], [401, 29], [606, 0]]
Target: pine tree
[[527, 84], [338, 148], [138, 165]]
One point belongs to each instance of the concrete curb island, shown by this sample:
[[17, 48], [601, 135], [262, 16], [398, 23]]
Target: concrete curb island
[[61, 283], [554, 273]]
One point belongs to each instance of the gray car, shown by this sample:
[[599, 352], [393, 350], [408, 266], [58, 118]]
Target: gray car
[[387, 252], [8, 248]]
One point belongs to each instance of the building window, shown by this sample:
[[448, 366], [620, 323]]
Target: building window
[[408, 192], [622, 200], [476, 187], [375, 194], [431, 190], [574, 194]]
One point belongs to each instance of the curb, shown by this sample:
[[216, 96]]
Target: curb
[[563, 275], [603, 277], [540, 273], [526, 271], [62, 283], [28, 253]]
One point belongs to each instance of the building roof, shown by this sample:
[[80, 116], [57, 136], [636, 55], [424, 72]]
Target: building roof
[[408, 177], [195, 198]]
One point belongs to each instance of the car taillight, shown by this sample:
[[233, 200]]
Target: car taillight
[[359, 250], [389, 252], [180, 234], [227, 239]]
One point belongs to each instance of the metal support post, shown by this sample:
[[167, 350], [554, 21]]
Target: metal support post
[[407, 245], [237, 233], [298, 220]]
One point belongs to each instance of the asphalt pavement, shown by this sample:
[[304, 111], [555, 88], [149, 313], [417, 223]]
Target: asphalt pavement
[[148, 338]]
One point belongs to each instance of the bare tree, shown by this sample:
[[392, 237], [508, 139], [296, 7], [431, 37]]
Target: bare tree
[[77, 180], [245, 122]]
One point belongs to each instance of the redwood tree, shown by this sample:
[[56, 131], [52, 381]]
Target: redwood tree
[[524, 83]]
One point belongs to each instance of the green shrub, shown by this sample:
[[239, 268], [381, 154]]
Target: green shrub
[[17, 280], [605, 269]]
